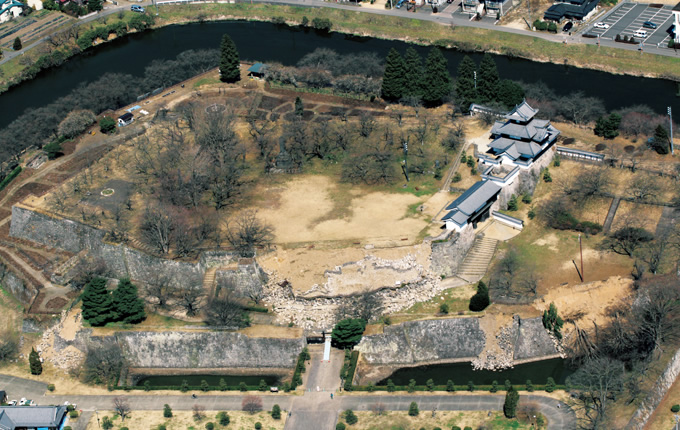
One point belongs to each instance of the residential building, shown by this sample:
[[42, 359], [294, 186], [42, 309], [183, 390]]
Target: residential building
[[10, 9], [125, 119], [257, 70], [676, 23], [472, 207], [32, 417], [579, 10]]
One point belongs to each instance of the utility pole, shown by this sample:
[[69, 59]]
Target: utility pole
[[405, 166], [670, 120], [475, 75], [580, 247]]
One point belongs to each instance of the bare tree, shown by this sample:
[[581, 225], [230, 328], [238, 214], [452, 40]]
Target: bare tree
[[226, 311], [251, 404], [198, 412], [157, 227], [627, 239], [378, 408], [247, 232], [654, 252], [597, 382], [588, 184], [366, 124], [189, 299], [644, 188], [160, 289], [102, 363], [122, 407]]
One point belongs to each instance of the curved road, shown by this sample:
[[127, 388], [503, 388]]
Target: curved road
[[441, 18]]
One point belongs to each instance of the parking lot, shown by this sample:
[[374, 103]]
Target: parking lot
[[628, 18]]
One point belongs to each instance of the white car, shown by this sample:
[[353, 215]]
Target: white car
[[640, 33], [601, 25], [12, 403]]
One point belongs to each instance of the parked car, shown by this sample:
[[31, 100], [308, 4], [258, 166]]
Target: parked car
[[12, 403], [401, 2], [649, 24], [601, 25], [137, 8], [568, 26], [640, 33]]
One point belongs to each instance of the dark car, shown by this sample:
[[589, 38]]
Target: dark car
[[649, 24], [401, 2], [568, 26]]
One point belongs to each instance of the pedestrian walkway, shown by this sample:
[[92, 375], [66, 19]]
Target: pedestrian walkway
[[327, 348]]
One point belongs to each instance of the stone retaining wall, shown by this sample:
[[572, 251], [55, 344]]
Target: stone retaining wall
[[121, 260], [656, 395], [207, 350], [15, 284], [448, 255]]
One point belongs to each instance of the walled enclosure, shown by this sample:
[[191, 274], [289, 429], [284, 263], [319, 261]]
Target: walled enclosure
[[417, 343], [448, 254]]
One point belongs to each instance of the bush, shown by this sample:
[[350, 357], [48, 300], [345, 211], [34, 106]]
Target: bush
[[160, 427], [223, 418], [430, 385], [512, 203], [471, 386], [322, 24], [73, 414], [444, 308], [455, 428], [50, 387], [53, 150], [391, 388], [546, 175], [350, 417], [107, 125], [167, 411], [557, 161], [457, 177], [550, 385], [675, 408], [481, 299], [258, 425], [494, 387], [529, 386], [242, 386], [9, 178], [413, 410], [276, 412], [510, 405], [340, 426], [526, 198], [532, 213], [450, 386], [209, 426], [552, 27]]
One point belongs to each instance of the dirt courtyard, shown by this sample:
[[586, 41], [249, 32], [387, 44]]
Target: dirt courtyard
[[313, 209]]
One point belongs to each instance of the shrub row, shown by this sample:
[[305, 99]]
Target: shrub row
[[10, 177], [354, 358], [187, 388], [119, 28], [255, 308], [299, 369], [566, 221], [518, 387]]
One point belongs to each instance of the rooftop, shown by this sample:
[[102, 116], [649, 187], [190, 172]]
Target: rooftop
[[522, 112], [470, 201], [12, 417]]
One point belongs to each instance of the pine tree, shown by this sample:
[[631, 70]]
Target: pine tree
[[299, 107], [481, 299], [413, 410], [97, 302], [17, 44], [487, 80], [167, 411], [465, 83], [229, 61], [413, 74], [34, 362], [127, 305], [394, 76], [510, 405], [437, 78]]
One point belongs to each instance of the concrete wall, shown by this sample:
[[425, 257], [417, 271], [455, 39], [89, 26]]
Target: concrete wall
[[448, 255], [207, 350], [424, 341]]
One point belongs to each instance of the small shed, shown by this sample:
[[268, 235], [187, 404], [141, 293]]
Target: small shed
[[257, 70], [3, 396], [125, 119]]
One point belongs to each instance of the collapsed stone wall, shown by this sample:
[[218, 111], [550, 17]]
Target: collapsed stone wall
[[23, 291], [446, 256], [207, 350], [120, 260], [247, 279]]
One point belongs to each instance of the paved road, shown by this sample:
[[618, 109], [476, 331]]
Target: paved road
[[441, 18]]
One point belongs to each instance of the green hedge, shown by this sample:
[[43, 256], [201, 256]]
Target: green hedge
[[299, 370], [354, 358], [478, 388], [10, 177], [255, 308], [189, 388]]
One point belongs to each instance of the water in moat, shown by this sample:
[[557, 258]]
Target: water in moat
[[460, 373], [270, 42]]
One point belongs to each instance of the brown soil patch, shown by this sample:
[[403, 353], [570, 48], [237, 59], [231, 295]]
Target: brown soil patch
[[304, 200], [56, 303], [30, 188], [273, 331], [639, 215], [587, 303]]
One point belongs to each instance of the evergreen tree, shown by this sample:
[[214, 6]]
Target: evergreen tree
[[437, 78], [413, 74], [391, 388], [510, 93], [450, 387], [481, 299], [127, 305], [276, 412], [550, 385], [17, 44], [487, 80], [394, 76], [34, 362], [299, 107], [350, 417], [167, 411], [510, 405], [661, 141], [229, 61], [94, 5], [348, 332], [465, 83], [97, 302], [608, 126], [413, 410]]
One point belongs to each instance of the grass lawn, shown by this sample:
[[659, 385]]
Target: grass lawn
[[457, 299], [399, 420], [184, 420]]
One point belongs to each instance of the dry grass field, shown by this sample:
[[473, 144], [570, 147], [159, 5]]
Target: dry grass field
[[395, 420], [184, 420]]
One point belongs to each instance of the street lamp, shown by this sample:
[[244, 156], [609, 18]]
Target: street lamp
[[475, 75], [670, 120], [96, 412]]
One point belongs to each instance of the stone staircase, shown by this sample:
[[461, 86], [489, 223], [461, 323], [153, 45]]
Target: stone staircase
[[477, 259], [209, 280]]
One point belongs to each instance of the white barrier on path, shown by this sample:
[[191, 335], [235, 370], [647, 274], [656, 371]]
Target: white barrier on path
[[327, 349]]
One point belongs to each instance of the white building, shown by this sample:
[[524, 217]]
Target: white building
[[10, 9]]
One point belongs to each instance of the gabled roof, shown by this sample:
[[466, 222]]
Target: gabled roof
[[126, 116], [521, 131], [9, 4], [257, 68], [470, 201], [31, 416], [522, 112], [515, 149]]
